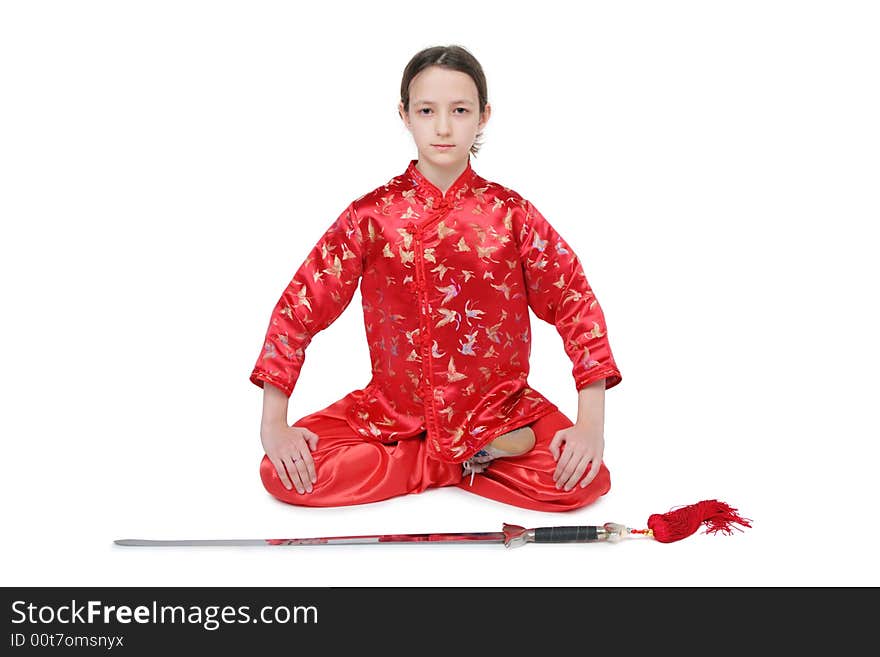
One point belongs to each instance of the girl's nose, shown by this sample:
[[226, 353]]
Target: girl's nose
[[443, 124]]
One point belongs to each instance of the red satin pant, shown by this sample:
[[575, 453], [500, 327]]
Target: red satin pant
[[353, 470]]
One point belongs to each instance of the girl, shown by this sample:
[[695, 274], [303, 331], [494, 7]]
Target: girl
[[448, 264]]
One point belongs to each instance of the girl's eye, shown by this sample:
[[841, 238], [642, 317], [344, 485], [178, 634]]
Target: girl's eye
[[428, 109]]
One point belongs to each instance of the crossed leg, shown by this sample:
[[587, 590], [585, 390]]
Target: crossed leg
[[352, 470], [527, 481]]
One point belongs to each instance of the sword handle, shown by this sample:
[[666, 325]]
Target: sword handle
[[568, 534]]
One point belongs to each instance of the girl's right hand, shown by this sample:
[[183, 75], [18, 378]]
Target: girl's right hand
[[289, 449]]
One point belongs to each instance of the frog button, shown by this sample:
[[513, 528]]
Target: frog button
[[411, 227]]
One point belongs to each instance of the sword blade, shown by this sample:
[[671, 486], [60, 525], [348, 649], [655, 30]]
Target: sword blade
[[143, 542], [460, 537]]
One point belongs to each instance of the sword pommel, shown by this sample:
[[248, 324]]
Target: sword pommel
[[613, 532]]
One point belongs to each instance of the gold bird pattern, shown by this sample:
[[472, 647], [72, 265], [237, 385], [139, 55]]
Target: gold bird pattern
[[447, 279]]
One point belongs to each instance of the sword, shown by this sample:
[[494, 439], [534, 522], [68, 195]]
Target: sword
[[509, 536], [674, 525]]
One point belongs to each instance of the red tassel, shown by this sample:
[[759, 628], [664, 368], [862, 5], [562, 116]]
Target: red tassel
[[682, 522]]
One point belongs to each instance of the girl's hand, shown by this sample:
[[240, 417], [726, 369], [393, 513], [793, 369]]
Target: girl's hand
[[584, 446], [290, 451]]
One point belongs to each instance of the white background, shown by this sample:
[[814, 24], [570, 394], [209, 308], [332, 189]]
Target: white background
[[166, 166]]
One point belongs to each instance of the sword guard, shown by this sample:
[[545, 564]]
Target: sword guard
[[515, 536]]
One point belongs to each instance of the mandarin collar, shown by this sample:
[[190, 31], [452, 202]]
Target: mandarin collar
[[428, 189]]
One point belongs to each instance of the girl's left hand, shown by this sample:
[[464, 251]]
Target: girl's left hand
[[584, 446]]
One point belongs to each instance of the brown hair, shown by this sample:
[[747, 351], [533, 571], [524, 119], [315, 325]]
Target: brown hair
[[455, 58]]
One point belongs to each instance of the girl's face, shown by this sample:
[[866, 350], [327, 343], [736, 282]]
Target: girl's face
[[443, 109]]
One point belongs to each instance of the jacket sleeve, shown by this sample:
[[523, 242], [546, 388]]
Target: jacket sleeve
[[558, 292], [320, 290]]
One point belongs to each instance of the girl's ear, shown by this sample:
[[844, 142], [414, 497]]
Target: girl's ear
[[402, 114], [485, 118]]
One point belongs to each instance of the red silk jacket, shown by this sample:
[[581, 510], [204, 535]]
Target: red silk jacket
[[446, 286]]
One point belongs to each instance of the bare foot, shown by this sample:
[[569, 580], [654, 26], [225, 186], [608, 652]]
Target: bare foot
[[513, 443]]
